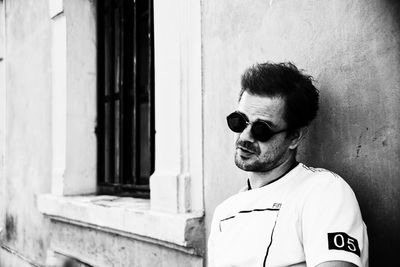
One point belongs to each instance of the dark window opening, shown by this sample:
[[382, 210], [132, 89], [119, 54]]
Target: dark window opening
[[125, 97]]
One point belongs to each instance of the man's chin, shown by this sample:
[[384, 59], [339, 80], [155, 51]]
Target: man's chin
[[247, 165]]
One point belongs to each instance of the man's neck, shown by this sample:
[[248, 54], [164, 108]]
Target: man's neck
[[259, 179]]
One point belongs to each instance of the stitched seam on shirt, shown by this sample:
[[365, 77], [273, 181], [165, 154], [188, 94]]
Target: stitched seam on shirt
[[270, 242], [248, 211], [244, 211]]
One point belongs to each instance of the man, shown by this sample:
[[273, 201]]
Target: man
[[288, 214]]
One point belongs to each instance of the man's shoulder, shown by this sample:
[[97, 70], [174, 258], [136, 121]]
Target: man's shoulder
[[321, 176], [325, 183]]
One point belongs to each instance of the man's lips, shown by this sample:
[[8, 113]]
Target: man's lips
[[246, 150]]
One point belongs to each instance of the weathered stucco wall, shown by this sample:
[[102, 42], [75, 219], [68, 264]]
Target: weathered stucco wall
[[27, 147], [352, 50]]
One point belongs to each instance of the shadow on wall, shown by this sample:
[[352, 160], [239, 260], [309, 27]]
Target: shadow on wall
[[10, 227], [58, 260]]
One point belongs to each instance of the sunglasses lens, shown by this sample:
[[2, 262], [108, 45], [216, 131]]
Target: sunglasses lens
[[236, 122], [261, 131]]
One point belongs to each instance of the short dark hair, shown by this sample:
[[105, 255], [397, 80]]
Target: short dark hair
[[286, 81]]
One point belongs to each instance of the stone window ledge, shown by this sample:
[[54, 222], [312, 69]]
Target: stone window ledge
[[128, 216]]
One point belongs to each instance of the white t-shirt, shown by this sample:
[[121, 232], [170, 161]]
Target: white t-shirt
[[307, 217]]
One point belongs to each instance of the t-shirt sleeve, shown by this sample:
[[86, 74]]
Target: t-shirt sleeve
[[331, 224]]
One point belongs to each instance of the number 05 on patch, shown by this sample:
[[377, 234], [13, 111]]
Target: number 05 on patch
[[343, 241]]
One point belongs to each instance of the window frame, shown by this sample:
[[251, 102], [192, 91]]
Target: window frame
[[122, 174]]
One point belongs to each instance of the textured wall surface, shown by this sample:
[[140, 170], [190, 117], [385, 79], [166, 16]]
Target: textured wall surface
[[27, 158], [98, 248], [352, 50]]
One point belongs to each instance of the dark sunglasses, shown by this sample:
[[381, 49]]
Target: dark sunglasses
[[260, 130]]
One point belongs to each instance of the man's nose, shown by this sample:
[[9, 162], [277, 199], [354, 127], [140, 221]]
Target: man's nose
[[246, 134]]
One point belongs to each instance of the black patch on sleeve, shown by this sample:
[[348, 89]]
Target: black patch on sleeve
[[342, 241]]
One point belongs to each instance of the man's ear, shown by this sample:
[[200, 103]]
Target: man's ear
[[296, 136]]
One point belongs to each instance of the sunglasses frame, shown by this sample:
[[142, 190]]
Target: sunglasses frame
[[267, 137]]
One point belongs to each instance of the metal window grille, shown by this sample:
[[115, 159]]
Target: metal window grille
[[125, 97]]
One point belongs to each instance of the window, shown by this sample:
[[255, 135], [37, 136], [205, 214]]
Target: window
[[125, 127]]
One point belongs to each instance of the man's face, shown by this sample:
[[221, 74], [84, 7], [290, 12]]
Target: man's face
[[256, 156]]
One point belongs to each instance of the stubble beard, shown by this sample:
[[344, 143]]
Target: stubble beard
[[257, 164]]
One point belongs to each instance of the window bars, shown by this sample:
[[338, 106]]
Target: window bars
[[125, 127]]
